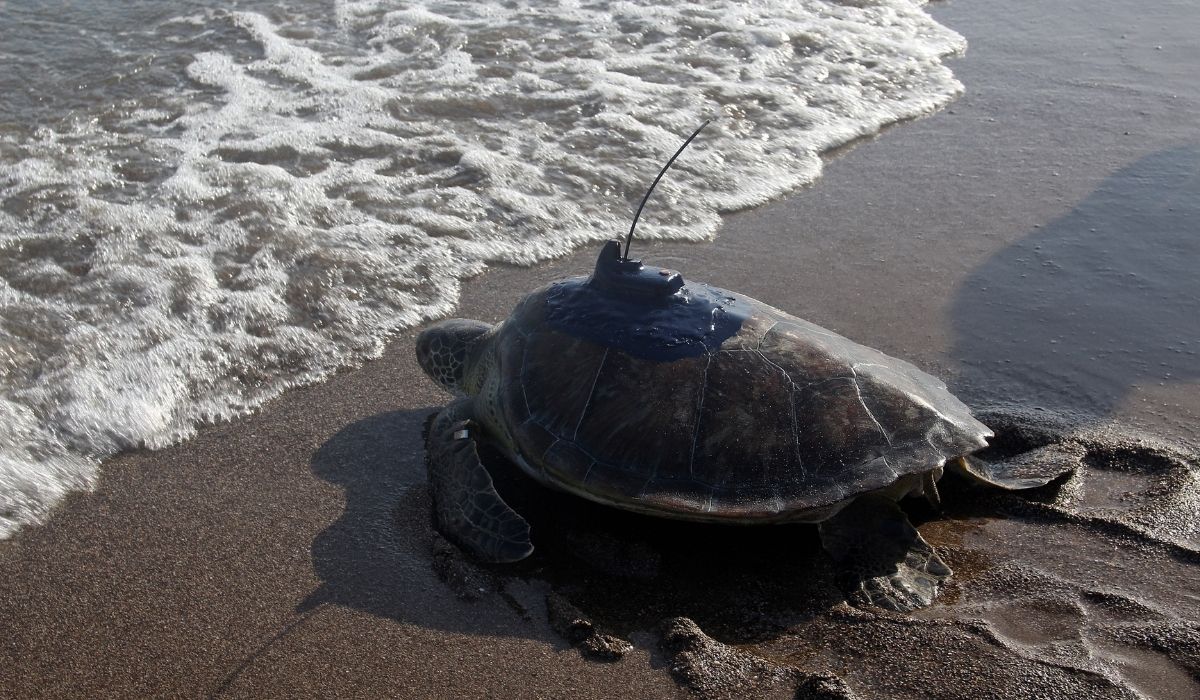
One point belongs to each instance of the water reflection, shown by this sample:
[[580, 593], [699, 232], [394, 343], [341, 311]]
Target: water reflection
[[1100, 300]]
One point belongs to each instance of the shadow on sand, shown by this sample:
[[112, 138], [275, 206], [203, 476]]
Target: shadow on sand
[[375, 557], [1105, 298], [741, 583]]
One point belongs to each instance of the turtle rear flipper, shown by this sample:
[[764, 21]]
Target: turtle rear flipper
[[466, 507], [882, 559], [1027, 470]]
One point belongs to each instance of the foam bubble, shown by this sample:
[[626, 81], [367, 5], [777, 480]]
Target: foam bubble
[[305, 190]]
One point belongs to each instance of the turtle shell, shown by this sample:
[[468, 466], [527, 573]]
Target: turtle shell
[[775, 417]]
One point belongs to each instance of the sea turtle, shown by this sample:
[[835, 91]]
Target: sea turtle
[[637, 390]]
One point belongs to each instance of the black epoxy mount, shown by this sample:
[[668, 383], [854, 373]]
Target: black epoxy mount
[[644, 311], [647, 312]]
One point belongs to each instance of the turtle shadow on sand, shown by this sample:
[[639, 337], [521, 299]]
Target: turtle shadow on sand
[[383, 557], [375, 557], [1104, 298]]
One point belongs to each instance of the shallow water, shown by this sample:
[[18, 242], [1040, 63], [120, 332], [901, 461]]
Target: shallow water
[[204, 204]]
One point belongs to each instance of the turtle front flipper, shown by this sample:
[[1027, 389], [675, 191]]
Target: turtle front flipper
[[882, 559], [465, 503]]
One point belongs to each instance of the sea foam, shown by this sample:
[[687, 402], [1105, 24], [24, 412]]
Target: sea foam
[[309, 186]]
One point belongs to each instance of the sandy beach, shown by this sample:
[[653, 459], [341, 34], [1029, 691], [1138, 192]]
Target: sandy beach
[[1034, 245]]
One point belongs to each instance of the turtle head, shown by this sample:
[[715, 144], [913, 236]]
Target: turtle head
[[444, 350]]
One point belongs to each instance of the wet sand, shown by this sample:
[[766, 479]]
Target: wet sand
[[290, 553]]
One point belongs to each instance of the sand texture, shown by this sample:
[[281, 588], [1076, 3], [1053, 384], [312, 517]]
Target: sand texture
[[1024, 245]]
